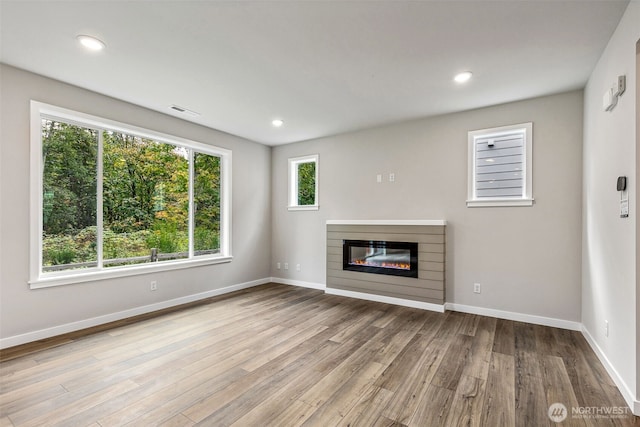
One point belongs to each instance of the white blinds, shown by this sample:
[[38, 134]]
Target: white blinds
[[499, 165]]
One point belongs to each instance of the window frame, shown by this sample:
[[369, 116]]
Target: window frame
[[293, 182], [38, 279], [527, 197]]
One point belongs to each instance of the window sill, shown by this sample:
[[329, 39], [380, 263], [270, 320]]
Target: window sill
[[499, 203], [304, 208], [95, 275]]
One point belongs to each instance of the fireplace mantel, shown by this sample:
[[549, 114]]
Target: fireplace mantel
[[426, 290], [386, 222]]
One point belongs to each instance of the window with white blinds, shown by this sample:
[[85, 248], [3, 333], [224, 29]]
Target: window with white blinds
[[500, 171]]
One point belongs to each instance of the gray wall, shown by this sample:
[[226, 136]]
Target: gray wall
[[527, 259], [23, 310], [610, 284]]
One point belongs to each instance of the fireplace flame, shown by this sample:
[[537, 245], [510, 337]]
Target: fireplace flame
[[394, 265]]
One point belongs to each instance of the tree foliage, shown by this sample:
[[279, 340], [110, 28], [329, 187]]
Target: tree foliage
[[145, 195], [307, 183], [206, 201], [70, 177]]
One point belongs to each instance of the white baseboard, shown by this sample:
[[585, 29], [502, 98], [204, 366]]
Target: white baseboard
[[518, 317], [626, 392], [302, 284], [100, 320], [387, 300]]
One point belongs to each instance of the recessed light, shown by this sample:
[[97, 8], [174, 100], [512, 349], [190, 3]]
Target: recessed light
[[463, 77], [90, 42], [277, 123]]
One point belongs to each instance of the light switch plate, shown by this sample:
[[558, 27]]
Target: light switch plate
[[622, 84], [624, 208]]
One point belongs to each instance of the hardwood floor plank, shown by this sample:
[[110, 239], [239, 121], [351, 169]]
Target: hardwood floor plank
[[21, 399], [213, 411], [504, 340], [170, 401], [364, 320], [43, 414], [586, 387], [467, 403], [530, 400], [580, 343], [16, 365], [457, 357], [294, 415], [433, 407], [546, 343], [177, 421], [499, 401], [277, 355], [468, 325], [272, 371], [342, 400], [367, 409], [432, 324], [480, 353], [16, 382], [317, 395], [404, 364], [282, 347], [406, 398], [524, 337], [558, 387], [270, 409], [107, 408], [626, 419], [450, 325], [383, 421], [390, 313]]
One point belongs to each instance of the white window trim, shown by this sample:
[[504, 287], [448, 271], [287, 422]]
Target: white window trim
[[37, 279], [293, 183], [527, 198]]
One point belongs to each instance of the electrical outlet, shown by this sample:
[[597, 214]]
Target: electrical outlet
[[286, 265], [606, 328], [154, 285], [278, 265], [392, 177], [476, 288], [297, 267]]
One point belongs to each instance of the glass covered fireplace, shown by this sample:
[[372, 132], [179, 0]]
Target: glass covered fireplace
[[381, 257]]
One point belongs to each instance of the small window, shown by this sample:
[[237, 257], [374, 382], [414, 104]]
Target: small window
[[500, 172], [303, 183]]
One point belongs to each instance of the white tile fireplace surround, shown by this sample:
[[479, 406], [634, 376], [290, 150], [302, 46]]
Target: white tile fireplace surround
[[378, 260]]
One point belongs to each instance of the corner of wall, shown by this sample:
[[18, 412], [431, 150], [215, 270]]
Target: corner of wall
[[611, 244], [637, 184]]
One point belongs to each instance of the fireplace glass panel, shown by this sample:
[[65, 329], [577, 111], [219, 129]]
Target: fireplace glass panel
[[381, 257]]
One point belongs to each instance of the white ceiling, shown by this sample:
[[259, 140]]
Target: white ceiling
[[324, 67]]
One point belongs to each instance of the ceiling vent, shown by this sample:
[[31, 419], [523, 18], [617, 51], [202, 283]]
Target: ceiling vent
[[184, 110]]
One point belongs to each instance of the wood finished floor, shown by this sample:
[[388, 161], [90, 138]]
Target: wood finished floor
[[277, 355]]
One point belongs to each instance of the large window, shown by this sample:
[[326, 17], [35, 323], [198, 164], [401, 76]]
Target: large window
[[500, 166], [303, 183], [115, 200]]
